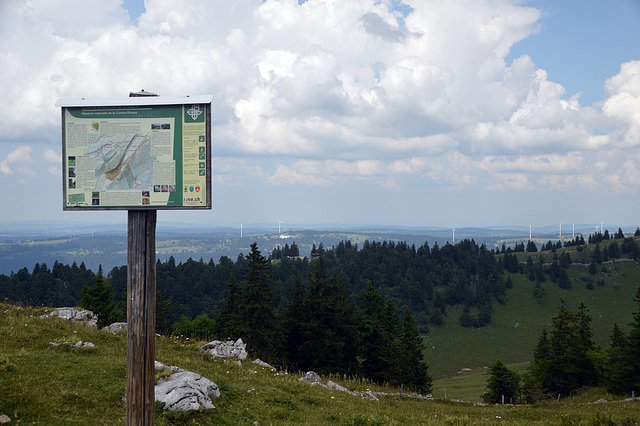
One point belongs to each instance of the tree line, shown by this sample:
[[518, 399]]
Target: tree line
[[322, 328], [427, 280]]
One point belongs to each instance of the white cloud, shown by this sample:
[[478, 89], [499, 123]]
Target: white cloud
[[20, 155], [511, 181], [52, 156], [624, 102], [20, 159], [550, 163], [55, 171], [328, 90], [324, 172], [5, 169]]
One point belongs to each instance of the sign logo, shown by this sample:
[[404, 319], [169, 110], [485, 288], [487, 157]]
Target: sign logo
[[197, 189], [191, 189], [194, 112]]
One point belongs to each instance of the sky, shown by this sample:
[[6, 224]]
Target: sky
[[443, 113]]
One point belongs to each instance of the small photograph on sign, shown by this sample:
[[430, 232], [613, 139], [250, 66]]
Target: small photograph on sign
[[72, 172], [72, 183], [160, 126]]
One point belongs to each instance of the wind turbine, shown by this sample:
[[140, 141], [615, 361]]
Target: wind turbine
[[529, 231], [279, 223], [241, 228], [560, 236], [454, 235]]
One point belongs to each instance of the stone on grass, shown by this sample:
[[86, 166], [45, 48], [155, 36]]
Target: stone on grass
[[262, 363], [186, 391], [333, 385], [230, 349], [74, 314], [116, 327], [311, 377]]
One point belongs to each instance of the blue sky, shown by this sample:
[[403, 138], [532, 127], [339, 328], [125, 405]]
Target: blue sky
[[414, 113]]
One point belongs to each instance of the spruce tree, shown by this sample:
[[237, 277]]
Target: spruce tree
[[99, 299], [229, 318], [328, 327], [632, 351], [294, 317], [369, 332], [619, 369], [259, 324], [562, 359], [411, 367], [502, 382]]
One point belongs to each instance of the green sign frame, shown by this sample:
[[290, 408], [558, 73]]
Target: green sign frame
[[136, 153]]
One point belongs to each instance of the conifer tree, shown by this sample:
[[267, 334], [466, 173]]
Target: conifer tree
[[328, 329], [294, 317], [412, 369], [258, 322], [562, 360], [632, 352], [502, 382], [382, 366], [619, 369], [164, 315], [229, 318], [98, 298]]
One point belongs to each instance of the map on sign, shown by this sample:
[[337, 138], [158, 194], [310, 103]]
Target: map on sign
[[122, 161]]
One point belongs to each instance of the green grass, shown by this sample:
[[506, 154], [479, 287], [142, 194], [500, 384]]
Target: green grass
[[517, 325], [41, 384]]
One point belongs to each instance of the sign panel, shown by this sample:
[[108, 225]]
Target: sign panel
[[136, 153]]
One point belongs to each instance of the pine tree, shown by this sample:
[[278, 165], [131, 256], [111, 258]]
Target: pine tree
[[164, 315], [294, 317], [328, 327], [502, 382], [369, 334], [99, 299], [562, 360], [229, 318], [258, 322], [412, 369], [632, 351], [619, 368]]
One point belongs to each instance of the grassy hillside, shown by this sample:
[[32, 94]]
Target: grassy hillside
[[42, 384], [453, 351]]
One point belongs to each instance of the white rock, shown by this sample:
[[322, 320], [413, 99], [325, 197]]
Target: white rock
[[74, 314], [262, 363], [116, 327], [186, 391], [230, 349], [311, 377]]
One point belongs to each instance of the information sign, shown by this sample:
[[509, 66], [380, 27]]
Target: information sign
[[136, 153]]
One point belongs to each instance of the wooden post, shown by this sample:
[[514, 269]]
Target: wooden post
[[141, 316]]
